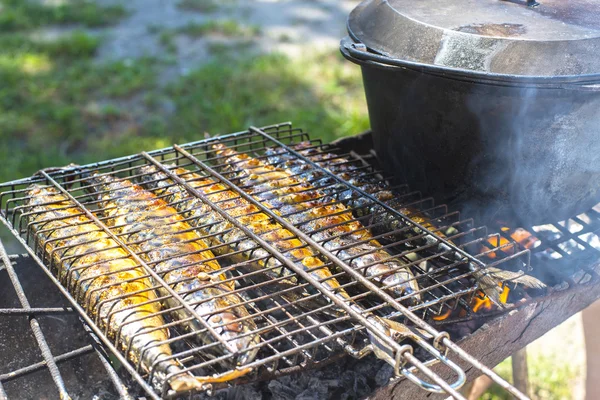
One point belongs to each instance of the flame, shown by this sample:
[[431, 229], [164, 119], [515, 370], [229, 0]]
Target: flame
[[481, 301], [524, 238], [519, 235], [443, 316]]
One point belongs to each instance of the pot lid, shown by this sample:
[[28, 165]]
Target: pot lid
[[509, 37]]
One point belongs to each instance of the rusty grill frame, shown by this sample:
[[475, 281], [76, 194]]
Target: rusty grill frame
[[196, 155]]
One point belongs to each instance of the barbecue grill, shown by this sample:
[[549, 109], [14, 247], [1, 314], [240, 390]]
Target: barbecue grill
[[302, 335]]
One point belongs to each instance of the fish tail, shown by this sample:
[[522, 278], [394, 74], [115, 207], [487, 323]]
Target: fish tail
[[520, 278], [490, 285], [184, 383]]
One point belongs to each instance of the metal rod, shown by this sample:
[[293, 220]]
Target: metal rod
[[114, 377], [420, 322], [142, 263], [39, 365], [147, 388], [330, 256], [35, 311], [35, 327]]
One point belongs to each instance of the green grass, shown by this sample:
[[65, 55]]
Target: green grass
[[322, 93], [55, 100], [167, 39], [19, 15], [57, 105], [548, 379], [203, 6], [225, 27]]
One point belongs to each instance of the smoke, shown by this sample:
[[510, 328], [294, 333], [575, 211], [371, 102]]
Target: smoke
[[540, 157]]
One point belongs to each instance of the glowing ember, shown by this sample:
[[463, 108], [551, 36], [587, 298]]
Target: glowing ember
[[518, 235], [443, 316]]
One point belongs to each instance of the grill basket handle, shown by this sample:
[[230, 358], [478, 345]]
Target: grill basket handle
[[407, 356]]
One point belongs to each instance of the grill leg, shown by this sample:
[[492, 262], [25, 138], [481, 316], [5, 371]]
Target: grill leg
[[519, 368], [479, 387]]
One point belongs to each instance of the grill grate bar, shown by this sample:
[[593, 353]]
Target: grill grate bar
[[40, 365], [35, 311], [290, 334], [137, 258], [400, 350], [49, 359]]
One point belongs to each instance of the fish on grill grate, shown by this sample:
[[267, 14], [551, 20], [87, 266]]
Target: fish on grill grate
[[331, 224], [381, 221], [106, 282], [225, 237], [229, 241], [175, 251]]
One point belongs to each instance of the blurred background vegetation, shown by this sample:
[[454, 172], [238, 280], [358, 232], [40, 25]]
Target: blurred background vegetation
[[59, 103], [64, 99]]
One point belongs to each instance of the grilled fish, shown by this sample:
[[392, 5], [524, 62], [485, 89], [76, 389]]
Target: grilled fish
[[226, 239], [382, 222], [175, 251], [331, 224], [223, 236], [106, 282]]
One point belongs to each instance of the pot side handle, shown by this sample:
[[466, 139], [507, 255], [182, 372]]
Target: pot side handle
[[359, 53]]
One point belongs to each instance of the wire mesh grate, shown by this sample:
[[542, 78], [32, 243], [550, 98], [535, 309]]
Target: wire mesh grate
[[205, 264]]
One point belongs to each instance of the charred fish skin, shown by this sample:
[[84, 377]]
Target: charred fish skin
[[175, 251], [382, 223], [105, 281], [331, 224], [225, 236]]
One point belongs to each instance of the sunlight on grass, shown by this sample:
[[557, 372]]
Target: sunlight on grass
[[18, 15], [29, 63], [320, 93], [225, 27], [548, 379]]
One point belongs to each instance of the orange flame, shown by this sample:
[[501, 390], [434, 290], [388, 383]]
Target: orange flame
[[443, 316], [481, 301], [519, 235]]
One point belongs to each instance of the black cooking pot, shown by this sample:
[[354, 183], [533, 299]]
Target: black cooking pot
[[486, 104]]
